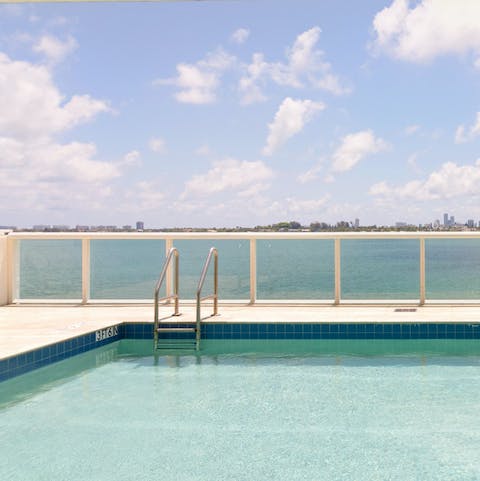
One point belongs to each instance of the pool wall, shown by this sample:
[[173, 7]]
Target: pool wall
[[28, 361]]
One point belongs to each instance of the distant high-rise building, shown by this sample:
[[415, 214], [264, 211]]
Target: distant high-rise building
[[452, 220], [60, 228], [140, 225], [445, 220], [470, 223], [357, 223], [41, 227]]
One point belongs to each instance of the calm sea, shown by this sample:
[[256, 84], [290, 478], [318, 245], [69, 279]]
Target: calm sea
[[286, 269]]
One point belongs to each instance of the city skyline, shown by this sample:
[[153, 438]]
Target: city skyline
[[448, 222], [239, 113]]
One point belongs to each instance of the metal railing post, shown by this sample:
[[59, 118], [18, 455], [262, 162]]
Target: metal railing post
[[253, 271], [176, 286], [13, 280], [85, 270], [422, 271], [215, 285], [168, 278], [337, 271]]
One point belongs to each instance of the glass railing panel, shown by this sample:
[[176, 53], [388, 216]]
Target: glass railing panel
[[452, 269], [50, 269], [233, 267], [380, 269], [125, 269], [295, 269]]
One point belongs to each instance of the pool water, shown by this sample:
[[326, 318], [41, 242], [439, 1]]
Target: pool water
[[112, 415]]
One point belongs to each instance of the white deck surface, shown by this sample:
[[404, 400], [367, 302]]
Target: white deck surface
[[27, 327]]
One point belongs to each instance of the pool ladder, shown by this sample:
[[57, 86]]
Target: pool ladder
[[182, 335]]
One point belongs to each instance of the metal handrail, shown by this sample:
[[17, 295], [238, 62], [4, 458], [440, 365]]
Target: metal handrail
[[213, 252], [173, 252]]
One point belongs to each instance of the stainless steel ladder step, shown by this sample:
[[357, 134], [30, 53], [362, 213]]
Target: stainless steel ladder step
[[176, 336], [176, 344]]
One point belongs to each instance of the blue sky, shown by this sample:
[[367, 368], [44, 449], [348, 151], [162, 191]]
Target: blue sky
[[239, 113]]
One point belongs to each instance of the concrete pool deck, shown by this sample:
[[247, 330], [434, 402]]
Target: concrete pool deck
[[27, 327]]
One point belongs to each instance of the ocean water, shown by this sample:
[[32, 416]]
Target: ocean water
[[286, 269], [252, 416]]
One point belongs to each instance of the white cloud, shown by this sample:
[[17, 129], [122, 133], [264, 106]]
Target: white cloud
[[311, 174], [32, 106], [428, 29], [290, 208], [80, 109], [329, 179], [460, 136], [37, 171], [413, 164], [411, 129], [198, 82], [255, 73], [355, 147], [198, 85], [157, 145], [54, 49], [240, 36], [450, 181], [228, 175], [302, 60], [331, 83], [306, 207], [132, 159], [305, 65], [39, 176], [58, 21], [252, 203], [145, 196], [291, 117], [203, 150], [73, 161], [464, 134]]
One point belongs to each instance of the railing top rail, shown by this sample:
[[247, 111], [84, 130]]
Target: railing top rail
[[239, 235], [212, 253]]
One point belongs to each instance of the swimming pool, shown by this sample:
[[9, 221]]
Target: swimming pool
[[120, 413]]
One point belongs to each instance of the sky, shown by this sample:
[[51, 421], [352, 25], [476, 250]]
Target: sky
[[239, 113]]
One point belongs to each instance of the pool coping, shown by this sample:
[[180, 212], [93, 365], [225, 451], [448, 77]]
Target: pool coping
[[54, 332], [33, 359]]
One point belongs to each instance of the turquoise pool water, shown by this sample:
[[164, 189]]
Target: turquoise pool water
[[119, 413]]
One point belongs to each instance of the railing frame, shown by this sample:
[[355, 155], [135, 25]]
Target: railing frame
[[251, 237]]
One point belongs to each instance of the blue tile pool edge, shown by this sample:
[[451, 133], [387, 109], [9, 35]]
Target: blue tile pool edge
[[36, 358], [28, 361]]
